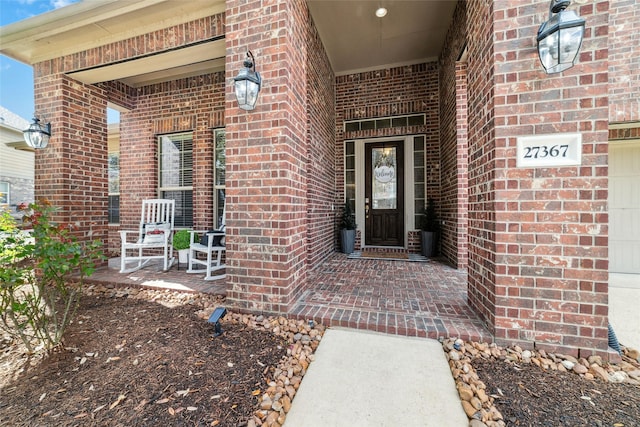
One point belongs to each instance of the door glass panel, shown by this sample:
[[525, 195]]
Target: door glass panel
[[384, 183]]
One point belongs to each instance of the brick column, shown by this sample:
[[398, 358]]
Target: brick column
[[71, 172], [453, 142], [265, 151], [538, 268], [462, 166]]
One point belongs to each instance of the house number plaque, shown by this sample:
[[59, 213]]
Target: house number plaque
[[563, 149]]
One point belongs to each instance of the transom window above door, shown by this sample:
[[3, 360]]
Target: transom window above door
[[385, 122]]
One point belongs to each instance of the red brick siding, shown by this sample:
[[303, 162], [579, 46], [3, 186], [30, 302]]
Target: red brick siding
[[462, 168], [453, 143], [120, 94], [631, 132], [322, 152], [180, 35], [390, 92], [549, 224], [71, 172], [266, 156], [481, 288], [624, 61]]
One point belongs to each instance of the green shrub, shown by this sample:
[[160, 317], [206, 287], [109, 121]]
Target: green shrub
[[430, 220], [348, 221], [38, 268], [182, 239]]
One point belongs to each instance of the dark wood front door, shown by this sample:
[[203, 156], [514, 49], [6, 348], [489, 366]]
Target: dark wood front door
[[384, 194]]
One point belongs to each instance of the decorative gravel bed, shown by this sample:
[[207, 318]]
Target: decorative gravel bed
[[515, 387]]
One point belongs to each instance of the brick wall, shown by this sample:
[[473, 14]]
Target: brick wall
[[321, 163], [538, 236], [481, 268], [453, 143], [194, 104], [72, 172], [207, 28], [390, 92], [462, 168], [266, 152], [624, 61], [86, 132], [631, 132]]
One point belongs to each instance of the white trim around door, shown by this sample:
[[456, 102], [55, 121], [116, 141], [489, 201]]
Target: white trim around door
[[409, 204]]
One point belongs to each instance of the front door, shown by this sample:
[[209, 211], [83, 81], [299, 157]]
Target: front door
[[384, 194]]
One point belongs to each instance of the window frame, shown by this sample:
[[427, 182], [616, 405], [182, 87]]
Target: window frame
[[184, 208], [219, 187], [113, 208]]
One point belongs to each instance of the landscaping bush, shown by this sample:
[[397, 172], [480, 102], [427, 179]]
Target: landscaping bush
[[42, 268]]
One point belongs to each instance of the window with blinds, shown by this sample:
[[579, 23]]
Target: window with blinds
[[175, 156]]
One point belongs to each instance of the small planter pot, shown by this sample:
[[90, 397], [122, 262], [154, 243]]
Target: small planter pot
[[429, 242], [347, 240], [183, 256]]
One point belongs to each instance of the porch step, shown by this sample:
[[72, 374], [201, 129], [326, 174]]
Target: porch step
[[387, 255]]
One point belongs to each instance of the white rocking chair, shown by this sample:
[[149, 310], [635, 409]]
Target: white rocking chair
[[153, 239], [212, 246]]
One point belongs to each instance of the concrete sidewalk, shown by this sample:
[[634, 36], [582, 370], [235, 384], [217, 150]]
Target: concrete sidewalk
[[364, 379], [624, 308]]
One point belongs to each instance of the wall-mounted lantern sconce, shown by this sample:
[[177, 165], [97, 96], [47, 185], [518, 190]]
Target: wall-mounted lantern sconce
[[37, 135], [247, 84], [560, 38]]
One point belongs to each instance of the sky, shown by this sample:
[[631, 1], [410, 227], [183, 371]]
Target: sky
[[16, 78]]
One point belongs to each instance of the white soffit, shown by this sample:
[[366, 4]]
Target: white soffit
[[160, 67], [92, 23]]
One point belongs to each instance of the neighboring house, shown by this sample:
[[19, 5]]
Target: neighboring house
[[440, 92], [16, 162]]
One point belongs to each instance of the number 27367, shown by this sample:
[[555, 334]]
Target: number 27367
[[543, 151]]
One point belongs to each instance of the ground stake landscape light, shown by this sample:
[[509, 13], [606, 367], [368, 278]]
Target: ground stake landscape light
[[560, 37], [215, 317], [247, 84], [37, 135]]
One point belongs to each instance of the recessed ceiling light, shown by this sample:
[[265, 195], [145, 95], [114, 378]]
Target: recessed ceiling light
[[381, 12]]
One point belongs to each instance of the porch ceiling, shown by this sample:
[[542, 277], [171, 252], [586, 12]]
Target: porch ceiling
[[355, 39]]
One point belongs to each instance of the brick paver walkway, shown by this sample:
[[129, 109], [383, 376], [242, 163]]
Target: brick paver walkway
[[423, 299]]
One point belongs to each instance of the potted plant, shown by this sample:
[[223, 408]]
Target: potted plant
[[430, 229], [347, 229], [181, 242]]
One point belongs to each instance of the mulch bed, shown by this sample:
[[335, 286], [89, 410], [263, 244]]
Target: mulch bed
[[129, 362], [528, 396], [138, 362]]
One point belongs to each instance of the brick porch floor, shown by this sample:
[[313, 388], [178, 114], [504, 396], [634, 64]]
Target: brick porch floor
[[153, 277], [396, 297], [423, 299]]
